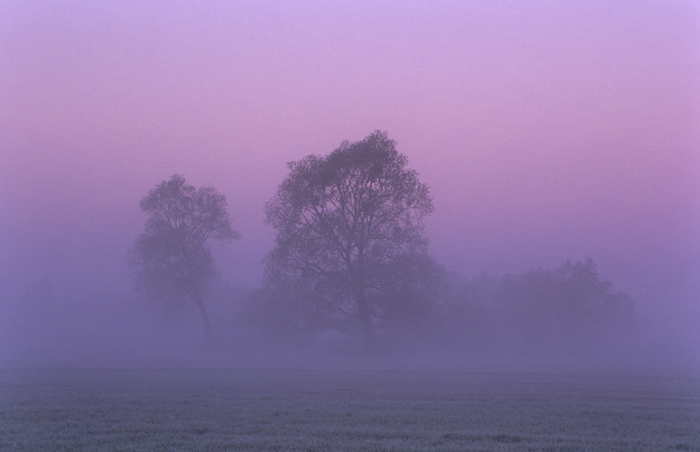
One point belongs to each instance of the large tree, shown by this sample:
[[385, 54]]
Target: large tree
[[342, 219], [172, 255]]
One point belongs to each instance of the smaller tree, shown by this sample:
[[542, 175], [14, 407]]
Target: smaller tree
[[172, 254]]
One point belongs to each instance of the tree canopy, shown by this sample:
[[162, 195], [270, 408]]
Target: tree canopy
[[567, 309], [172, 254], [342, 219]]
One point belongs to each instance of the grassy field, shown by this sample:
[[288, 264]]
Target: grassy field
[[341, 410]]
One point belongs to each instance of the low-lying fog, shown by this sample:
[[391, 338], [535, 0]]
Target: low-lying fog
[[42, 329]]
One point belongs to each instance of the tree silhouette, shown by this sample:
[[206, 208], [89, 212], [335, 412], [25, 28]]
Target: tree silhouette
[[342, 218], [172, 254]]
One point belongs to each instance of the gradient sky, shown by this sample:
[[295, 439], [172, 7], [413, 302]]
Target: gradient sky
[[546, 130]]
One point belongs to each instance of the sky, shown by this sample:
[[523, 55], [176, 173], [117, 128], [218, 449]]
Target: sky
[[546, 130]]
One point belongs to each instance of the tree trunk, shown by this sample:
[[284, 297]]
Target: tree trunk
[[358, 282], [369, 337], [205, 318]]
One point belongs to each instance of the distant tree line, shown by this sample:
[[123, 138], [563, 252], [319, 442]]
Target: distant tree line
[[565, 309], [351, 257]]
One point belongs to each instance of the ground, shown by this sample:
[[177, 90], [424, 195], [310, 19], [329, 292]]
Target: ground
[[345, 410]]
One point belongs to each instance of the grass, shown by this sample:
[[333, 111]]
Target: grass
[[305, 410]]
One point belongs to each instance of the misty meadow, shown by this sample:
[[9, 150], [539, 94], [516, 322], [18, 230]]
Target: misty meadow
[[350, 226], [345, 409]]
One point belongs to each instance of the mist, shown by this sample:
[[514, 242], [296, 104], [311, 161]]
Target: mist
[[546, 133]]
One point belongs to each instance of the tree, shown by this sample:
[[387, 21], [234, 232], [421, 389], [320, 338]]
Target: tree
[[342, 218], [172, 254], [412, 289], [568, 308]]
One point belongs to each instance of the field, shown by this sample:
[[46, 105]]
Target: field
[[344, 410]]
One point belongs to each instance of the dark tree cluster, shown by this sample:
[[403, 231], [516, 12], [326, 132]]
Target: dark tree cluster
[[351, 257], [565, 309]]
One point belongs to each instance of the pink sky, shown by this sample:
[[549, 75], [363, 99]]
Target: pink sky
[[546, 130]]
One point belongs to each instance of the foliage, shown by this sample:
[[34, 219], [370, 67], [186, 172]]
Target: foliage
[[172, 256], [410, 293], [286, 311], [567, 308], [344, 220]]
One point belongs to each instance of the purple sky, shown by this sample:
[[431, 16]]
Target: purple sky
[[546, 130]]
